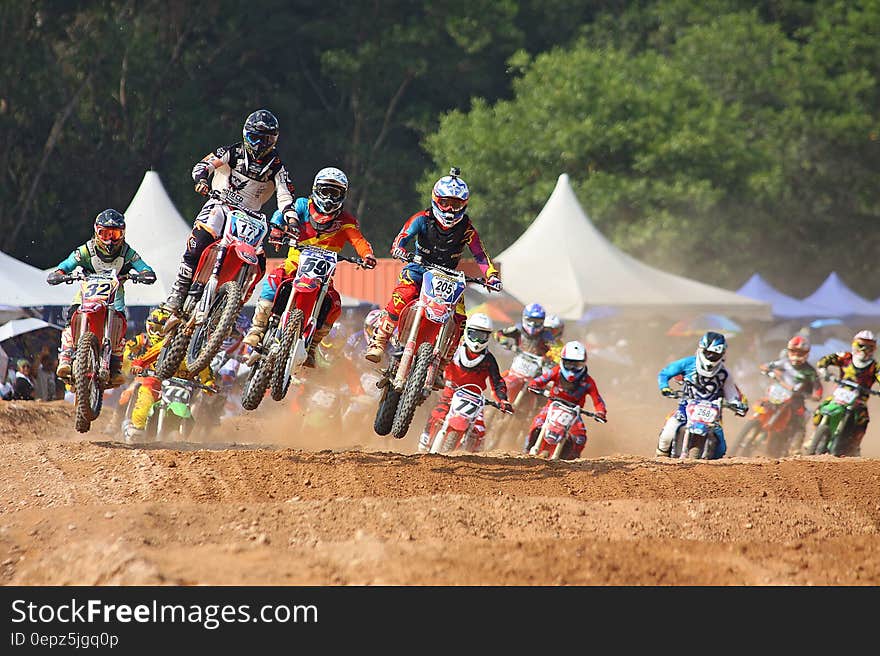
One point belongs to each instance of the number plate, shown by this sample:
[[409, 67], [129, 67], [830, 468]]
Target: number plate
[[316, 263], [176, 393], [247, 228], [466, 404], [561, 415], [845, 395], [702, 411], [778, 394], [525, 366]]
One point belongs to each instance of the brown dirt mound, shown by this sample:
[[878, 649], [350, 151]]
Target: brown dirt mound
[[311, 509]]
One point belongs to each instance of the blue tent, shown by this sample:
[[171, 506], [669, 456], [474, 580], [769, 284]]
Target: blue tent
[[838, 300], [782, 305]]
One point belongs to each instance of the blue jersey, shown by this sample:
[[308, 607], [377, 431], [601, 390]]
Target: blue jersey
[[695, 386]]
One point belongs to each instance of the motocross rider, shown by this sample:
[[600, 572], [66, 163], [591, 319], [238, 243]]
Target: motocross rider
[[251, 170], [704, 377], [860, 367], [530, 335], [106, 250], [798, 374], [571, 382], [318, 220], [472, 364], [441, 232], [554, 325]]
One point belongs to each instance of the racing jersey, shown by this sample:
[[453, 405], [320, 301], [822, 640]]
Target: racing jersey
[[864, 376], [457, 375], [695, 386], [248, 181], [571, 391], [343, 229]]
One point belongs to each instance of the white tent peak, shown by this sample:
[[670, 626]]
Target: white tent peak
[[157, 231], [563, 262], [23, 285]]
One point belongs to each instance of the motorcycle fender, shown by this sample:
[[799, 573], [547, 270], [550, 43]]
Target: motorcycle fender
[[700, 429], [554, 436], [180, 409], [459, 423], [237, 256], [305, 301]]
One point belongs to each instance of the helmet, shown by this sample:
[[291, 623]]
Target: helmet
[[798, 349], [710, 353], [155, 324], [554, 325], [449, 199], [863, 346], [533, 319], [573, 361], [260, 133], [329, 190], [477, 330], [371, 321], [109, 233]]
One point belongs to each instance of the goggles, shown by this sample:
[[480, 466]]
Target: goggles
[[109, 234], [712, 356], [330, 192], [477, 336], [574, 365], [451, 204], [260, 140], [864, 347]]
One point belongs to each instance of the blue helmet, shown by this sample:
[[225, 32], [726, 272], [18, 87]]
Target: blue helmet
[[710, 353], [533, 319], [449, 199]]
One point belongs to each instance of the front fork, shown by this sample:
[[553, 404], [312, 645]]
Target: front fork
[[409, 349]]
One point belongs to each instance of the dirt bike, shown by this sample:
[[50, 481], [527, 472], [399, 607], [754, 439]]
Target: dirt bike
[[225, 277], [697, 437], [429, 335], [523, 369], [770, 430], [553, 441], [296, 309], [171, 417], [456, 430], [360, 407], [834, 433], [95, 327]]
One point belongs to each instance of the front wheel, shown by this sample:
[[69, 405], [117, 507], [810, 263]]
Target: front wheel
[[89, 395], [412, 391], [208, 337], [172, 354], [819, 443], [386, 410], [284, 360], [256, 384], [748, 438]]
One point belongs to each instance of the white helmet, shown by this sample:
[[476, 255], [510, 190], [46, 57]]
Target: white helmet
[[863, 346], [329, 190], [477, 331], [573, 361]]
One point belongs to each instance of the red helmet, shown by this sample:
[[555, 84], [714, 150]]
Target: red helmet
[[798, 349]]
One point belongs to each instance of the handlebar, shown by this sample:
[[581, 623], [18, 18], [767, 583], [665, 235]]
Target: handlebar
[[571, 404], [413, 258], [133, 277], [290, 240], [184, 381], [739, 408], [853, 384]]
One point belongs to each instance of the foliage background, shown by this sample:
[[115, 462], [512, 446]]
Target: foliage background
[[713, 138]]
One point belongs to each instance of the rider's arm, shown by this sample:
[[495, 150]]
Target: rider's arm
[[499, 387], [544, 379], [598, 401], [671, 370], [76, 258], [830, 360], [413, 226], [206, 166], [355, 237], [731, 391], [132, 258], [284, 190], [482, 259]]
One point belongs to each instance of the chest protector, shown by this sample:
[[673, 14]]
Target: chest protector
[[99, 265], [443, 247]]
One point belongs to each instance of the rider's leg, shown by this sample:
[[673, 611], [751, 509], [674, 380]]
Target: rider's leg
[[147, 394], [438, 414], [207, 227], [667, 435], [721, 446], [116, 375], [65, 353], [331, 310], [860, 421], [408, 286], [478, 432], [537, 423], [264, 304], [578, 435]]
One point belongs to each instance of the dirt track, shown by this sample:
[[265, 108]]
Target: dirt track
[[85, 510]]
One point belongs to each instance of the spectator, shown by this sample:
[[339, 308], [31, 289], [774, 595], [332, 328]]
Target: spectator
[[7, 385], [23, 389], [45, 375]]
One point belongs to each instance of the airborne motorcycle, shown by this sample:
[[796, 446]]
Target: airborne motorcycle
[[224, 279], [292, 323], [428, 334]]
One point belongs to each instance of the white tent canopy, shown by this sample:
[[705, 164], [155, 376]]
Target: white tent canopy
[[22, 285], [581, 269], [157, 231]]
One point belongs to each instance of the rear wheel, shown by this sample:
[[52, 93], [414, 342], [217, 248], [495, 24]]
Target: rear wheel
[[208, 338], [412, 391], [748, 438], [284, 360], [89, 395]]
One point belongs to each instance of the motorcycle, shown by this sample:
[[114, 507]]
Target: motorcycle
[[171, 417], [834, 433], [428, 333], [553, 440], [697, 437], [95, 327], [292, 323], [770, 429], [524, 368], [456, 431], [224, 279]]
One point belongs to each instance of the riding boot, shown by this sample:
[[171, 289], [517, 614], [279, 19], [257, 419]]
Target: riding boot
[[261, 320], [179, 289], [65, 361], [531, 438], [317, 338], [116, 375], [380, 340]]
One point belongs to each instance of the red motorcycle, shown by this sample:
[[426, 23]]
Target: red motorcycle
[[224, 279], [770, 431], [553, 440], [95, 327], [524, 368], [456, 429], [291, 324], [429, 335]]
